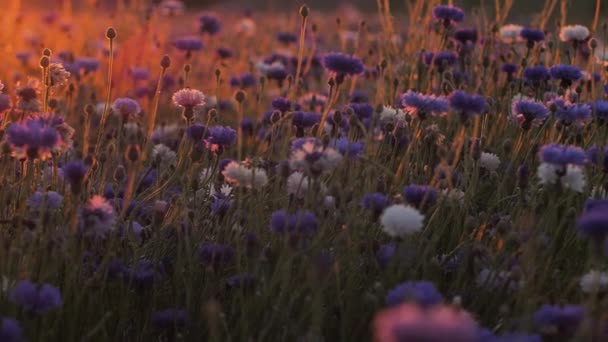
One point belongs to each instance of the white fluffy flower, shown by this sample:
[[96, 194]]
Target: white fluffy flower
[[240, 175], [164, 155], [573, 33], [573, 178], [455, 195], [510, 33], [594, 281], [489, 161], [314, 158], [390, 114], [297, 184], [401, 220]]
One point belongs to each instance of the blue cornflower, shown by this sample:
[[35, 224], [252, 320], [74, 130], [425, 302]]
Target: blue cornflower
[[347, 148], [86, 64], [32, 139], [537, 74], [139, 74], [188, 43], [423, 293], [593, 203], [599, 156], [376, 202], [305, 119], [528, 113], [569, 113], [420, 196], [363, 111], [467, 105], [170, 319], [385, 254], [343, 64], [509, 68], [52, 199], [303, 222], [441, 59], [358, 96], [282, 104], [566, 73], [196, 132], [448, 14], [74, 173], [220, 206], [244, 81], [287, 37], [34, 298], [532, 35], [563, 155], [278, 74], [423, 105], [245, 281], [248, 126], [209, 23], [565, 319], [224, 52], [594, 223], [465, 35], [601, 110], [10, 330], [126, 108], [215, 255], [221, 136]]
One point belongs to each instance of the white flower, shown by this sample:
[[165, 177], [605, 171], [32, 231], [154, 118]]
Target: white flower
[[489, 161], [240, 175], [297, 184], [59, 76], [390, 114], [224, 191], [329, 202], [315, 158], [164, 155], [188, 98], [401, 220], [594, 281], [573, 33], [510, 33], [574, 177], [455, 195], [493, 279]]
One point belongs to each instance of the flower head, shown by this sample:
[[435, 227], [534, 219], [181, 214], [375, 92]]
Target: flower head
[[562, 155], [536, 74], [527, 112], [532, 35], [209, 24], [570, 33], [126, 108], [343, 64], [467, 104], [188, 44], [238, 174], [97, 218], [315, 159], [33, 138], [594, 223], [423, 293], [566, 73], [188, 98], [448, 14], [34, 298], [51, 199], [565, 319], [510, 33], [420, 196], [423, 105], [303, 222], [400, 220], [219, 137], [170, 319]]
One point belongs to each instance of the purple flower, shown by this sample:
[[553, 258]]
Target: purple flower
[[74, 172], [420, 196], [467, 104], [423, 293], [34, 298], [600, 109], [565, 319], [188, 44], [32, 138], [527, 113], [448, 14], [196, 132], [532, 35], [97, 218], [224, 53], [566, 73], [287, 37], [304, 120], [359, 96], [244, 81], [466, 35], [509, 68], [376, 202], [298, 143], [10, 330], [347, 148], [563, 155], [423, 105], [278, 74], [594, 223], [87, 64], [441, 59], [52, 199], [245, 281], [220, 206], [5, 103], [592, 203], [139, 74], [170, 319], [209, 23], [143, 274], [126, 108], [281, 104], [569, 113], [215, 255], [597, 155], [303, 222], [221, 136], [536, 74], [343, 64]]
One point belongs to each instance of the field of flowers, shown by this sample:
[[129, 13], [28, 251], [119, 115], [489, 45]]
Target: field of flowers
[[430, 175]]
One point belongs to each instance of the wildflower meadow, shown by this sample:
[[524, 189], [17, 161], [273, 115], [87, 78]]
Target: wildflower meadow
[[428, 171]]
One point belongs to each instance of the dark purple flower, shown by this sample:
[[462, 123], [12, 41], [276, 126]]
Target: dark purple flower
[[509, 68], [376, 202], [244, 81], [34, 298], [287, 37], [465, 35], [441, 59], [170, 319], [343, 64], [209, 23], [566, 73], [359, 96], [5, 103], [303, 222], [196, 132], [282, 104], [188, 43], [51, 199], [10, 330], [467, 104], [532, 35], [248, 126], [86, 64], [527, 113], [298, 143], [143, 274], [139, 74], [423, 105], [74, 172], [536, 74], [423, 293], [594, 223], [304, 120], [565, 319], [420, 196], [569, 113], [347, 148], [221, 136], [563, 155], [220, 206], [448, 14], [599, 156], [126, 108], [215, 255], [600, 110], [592, 203], [32, 138]]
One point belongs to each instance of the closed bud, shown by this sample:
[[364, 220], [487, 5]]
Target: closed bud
[[593, 43], [165, 62], [120, 174], [111, 33], [89, 109], [187, 68], [45, 61], [47, 52], [240, 96], [304, 11], [133, 153]]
